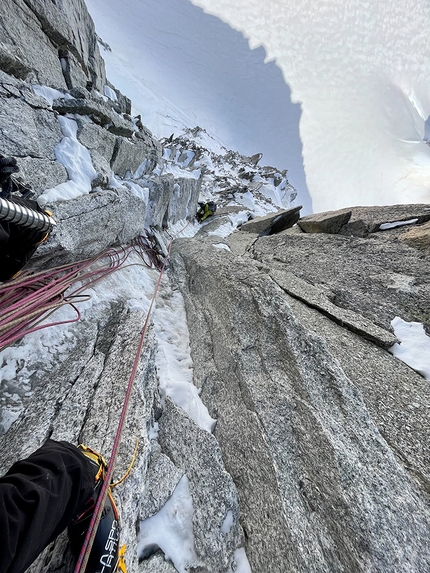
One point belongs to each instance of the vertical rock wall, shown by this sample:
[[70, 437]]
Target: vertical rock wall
[[324, 432], [51, 43]]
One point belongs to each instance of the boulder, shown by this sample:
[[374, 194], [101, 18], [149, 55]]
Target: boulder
[[360, 221], [417, 237], [89, 224], [329, 222], [273, 223], [365, 220]]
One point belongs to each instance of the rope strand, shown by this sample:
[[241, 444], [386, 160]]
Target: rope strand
[[95, 520]]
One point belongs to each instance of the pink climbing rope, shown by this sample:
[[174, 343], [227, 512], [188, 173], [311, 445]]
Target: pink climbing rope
[[28, 300], [95, 520]]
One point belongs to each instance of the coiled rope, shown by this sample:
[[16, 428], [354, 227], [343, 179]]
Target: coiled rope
[[27, 301], [31, 298], [95, 520]]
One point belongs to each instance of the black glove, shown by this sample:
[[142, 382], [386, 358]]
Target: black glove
[[7, 167]]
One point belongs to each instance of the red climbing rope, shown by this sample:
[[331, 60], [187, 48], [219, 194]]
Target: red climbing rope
[[31, 298], [28, 300], [95, 520]]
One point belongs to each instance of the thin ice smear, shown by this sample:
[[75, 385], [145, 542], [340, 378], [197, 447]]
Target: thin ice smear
[[171, 530], [174, 361], [414, 347], [77, 160]]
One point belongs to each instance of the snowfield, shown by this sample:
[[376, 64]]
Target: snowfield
[[360, 71]]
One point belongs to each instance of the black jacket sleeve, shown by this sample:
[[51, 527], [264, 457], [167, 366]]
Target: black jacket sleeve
[[39, 497]]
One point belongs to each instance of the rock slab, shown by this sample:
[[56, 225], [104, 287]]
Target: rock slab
[[273, 223]]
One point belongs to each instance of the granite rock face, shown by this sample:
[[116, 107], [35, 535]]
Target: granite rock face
[[323, 431], [94, 372], [171, 199], [22, 127], [89, 225], [212, 489], [129, 155], [376, 278], [36, 35], [320, 456], [98, 111]]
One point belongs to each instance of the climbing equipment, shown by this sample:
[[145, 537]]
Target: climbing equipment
[[22, 215], [100, 520], [24, 225], [105, 553], [28, 300], [97, 515]]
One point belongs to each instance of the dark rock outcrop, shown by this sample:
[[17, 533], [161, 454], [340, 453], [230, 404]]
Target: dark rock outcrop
[[273, 223]]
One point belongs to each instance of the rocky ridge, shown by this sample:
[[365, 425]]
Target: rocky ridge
[[319, 457]]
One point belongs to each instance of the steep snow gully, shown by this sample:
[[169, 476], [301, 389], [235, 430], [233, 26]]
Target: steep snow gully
[[281, 403]]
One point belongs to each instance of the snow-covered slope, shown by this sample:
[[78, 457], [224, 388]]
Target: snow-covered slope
[[360, 70], [183, 68]]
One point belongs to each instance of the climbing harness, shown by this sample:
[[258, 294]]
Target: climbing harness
[[106, 555], [19, 315]]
